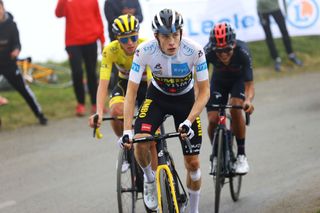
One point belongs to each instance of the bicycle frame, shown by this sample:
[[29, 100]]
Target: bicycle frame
[[222, 125], [222, 144], [163, 159], [163, 166], [25, 65], [49, 75]]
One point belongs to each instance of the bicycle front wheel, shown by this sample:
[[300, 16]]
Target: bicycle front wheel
[[235, 179], [219, 178], [166, 196], [51, 75], [126, 185]]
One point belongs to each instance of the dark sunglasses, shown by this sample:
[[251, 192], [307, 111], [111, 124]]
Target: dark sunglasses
[[223, 50], [125, 40]]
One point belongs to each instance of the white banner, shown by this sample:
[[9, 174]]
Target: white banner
[[201, 15]]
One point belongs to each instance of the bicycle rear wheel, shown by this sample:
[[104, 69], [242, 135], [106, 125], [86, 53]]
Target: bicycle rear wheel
[[166, 196], [126, 186], [55, 76], [219, 178], [235, 179]]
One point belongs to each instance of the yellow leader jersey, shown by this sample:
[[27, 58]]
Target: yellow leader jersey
[[113, 54]]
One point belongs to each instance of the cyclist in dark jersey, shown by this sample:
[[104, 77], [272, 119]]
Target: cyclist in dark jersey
[[232, 74]]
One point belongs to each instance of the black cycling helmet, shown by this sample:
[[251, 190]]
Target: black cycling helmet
[[222, 35], [167, 21], [125, 24]]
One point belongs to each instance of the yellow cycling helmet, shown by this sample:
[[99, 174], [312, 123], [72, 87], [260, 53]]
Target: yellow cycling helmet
[[125, 24]]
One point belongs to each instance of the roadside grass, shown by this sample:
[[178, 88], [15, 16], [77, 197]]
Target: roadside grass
[[60, 103], [306, 48]]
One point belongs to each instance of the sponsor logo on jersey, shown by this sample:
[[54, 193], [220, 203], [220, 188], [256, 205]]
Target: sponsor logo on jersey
[[202, 66], [180, 69], [187, 50], [135, 67], [199, 126], [146, 127], [157, 69], [150, 49], [114, 49], [137, 53], [145, 107], [104, 66], [200, 53], [173, 85]]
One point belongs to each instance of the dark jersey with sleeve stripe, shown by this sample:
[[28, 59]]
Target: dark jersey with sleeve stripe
[[240, 65]]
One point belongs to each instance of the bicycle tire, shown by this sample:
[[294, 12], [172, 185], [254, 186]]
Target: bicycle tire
[[60, 77], [166, 196], [235, 179], [181, 194], [126, 185], [219, 178]]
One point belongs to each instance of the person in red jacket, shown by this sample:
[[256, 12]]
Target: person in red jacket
[[84, 28]]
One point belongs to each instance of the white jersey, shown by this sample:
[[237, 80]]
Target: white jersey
[[172, 75]]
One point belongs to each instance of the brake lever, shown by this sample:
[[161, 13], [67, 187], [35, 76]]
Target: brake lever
[[187, 140], [95, 121]]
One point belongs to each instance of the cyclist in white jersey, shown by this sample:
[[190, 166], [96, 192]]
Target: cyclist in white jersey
[[174, 60]]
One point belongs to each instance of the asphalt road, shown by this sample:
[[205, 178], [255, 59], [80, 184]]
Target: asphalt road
[[62, 169]]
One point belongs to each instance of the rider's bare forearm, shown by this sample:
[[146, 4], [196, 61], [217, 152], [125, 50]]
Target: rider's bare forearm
[[102, 95], [249, 90], [129, 104], [201, 100]]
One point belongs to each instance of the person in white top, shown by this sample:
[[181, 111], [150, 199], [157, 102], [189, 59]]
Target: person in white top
[[174, 62]]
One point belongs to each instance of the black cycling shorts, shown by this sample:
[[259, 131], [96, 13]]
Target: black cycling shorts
[[119, 91], [220, 90], [157, 105]]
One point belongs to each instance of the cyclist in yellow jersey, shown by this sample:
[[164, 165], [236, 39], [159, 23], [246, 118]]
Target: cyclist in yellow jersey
[[119, 53]]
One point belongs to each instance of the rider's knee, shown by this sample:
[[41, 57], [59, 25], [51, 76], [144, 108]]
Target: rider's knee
[[213, 118], [195, 175], [193, 164], [116, 110]]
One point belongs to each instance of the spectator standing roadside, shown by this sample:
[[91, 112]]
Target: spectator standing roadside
[[115, 8], [84, 28], [9, 50], [267, 8]]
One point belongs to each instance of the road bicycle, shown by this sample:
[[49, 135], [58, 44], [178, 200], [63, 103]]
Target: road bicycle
[[47, 75], [226, 153], [129, 175], [172, 196]]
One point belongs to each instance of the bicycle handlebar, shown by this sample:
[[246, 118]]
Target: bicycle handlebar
[[158, 138], [96, 130]]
